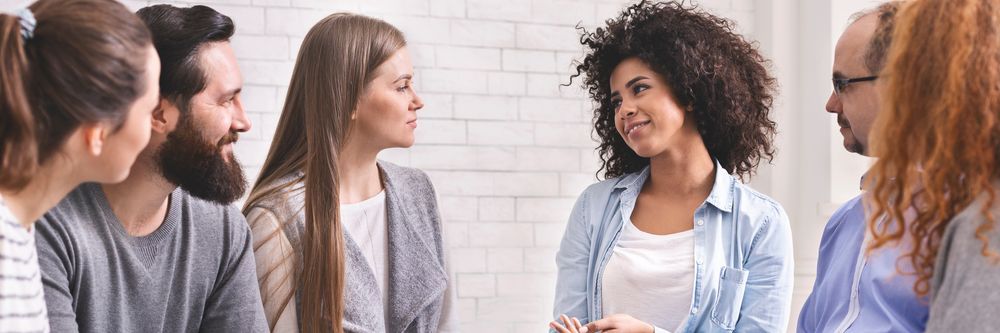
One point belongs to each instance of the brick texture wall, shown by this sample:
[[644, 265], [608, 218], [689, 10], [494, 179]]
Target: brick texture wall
[[507, 148]]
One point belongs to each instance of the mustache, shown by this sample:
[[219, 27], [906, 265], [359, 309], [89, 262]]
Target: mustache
[[232, 137], [843, 122]]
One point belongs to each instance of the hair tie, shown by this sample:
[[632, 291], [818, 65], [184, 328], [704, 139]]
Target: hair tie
[[28, 23]]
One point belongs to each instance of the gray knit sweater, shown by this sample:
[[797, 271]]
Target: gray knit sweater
[[420, 294], [195, 273], [965, 288]]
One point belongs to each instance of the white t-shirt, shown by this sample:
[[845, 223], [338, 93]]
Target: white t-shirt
[[22, 298], [367, 224], [650, 277]]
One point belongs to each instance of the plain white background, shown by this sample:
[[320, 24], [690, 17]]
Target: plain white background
[[509, 150]]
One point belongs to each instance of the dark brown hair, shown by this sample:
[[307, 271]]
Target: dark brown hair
[[85, 63], [710, 69], [338, 59], [878, 47], [178, 34]]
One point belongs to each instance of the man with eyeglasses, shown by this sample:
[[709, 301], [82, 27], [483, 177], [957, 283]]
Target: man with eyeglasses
[[857, 291]]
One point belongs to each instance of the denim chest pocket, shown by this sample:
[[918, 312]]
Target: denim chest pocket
[[732, 284]]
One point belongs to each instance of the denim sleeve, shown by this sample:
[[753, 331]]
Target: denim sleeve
[[572, 261], [768, 296]]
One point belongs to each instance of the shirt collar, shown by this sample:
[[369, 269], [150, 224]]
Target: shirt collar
[[722, 190]]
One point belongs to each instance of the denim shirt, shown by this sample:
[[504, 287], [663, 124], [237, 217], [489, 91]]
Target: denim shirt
[[743, 255], [856, 291]]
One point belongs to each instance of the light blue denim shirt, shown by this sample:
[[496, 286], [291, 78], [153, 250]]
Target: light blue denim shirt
[[742, 256]]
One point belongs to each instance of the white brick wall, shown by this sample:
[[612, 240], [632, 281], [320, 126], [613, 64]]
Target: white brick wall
[[507, 148]]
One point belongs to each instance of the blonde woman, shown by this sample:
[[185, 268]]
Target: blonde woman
[[344, 242]]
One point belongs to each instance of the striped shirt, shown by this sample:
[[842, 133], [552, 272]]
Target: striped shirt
[[22, 302]]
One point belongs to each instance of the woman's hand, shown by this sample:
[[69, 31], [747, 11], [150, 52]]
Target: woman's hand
[[619, 323], [569, 325]]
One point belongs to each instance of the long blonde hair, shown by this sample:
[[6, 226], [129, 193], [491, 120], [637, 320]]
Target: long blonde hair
[[337, 60], [938, 132]]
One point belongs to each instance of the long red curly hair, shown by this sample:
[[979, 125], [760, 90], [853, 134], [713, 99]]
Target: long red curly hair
[[938, 133]]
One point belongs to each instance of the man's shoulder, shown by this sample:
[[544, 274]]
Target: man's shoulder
[[77, 210], [845, 231], [851, 213]]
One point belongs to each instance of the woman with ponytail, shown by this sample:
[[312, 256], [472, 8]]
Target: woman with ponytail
[[78, 83], [344, 242], [938, 142]]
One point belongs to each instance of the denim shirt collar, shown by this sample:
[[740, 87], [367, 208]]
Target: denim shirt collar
[[722, 190]]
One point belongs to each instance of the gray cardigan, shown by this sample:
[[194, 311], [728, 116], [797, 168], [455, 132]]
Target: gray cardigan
[[965, 287], [418, 286]]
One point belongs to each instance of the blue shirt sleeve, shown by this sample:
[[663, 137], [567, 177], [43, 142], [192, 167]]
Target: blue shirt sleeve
[[770, 263], [572, 262]]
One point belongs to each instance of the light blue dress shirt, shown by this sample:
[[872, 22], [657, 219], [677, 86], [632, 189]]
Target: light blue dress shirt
[[743, 255], [858, 293]]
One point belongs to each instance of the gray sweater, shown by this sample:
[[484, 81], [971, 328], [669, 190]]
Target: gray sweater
[[965, 288], [420, 297], [195, 273]]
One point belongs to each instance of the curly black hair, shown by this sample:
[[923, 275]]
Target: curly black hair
[[711, 70]]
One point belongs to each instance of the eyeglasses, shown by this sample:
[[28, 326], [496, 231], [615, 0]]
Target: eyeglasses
[[839, 84]]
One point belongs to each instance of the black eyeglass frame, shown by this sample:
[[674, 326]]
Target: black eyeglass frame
[[840, 84]]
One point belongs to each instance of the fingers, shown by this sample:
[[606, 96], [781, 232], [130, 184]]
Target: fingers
[[565, 327], [559, 328], [568, 325], [579, 327], [599, 325]]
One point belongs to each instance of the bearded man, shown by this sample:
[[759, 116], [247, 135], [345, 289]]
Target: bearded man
[[164, 251]]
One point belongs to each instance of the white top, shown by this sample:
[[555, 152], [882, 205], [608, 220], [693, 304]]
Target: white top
[[367, 224], [275, 270], [650, 277], [22, 299]]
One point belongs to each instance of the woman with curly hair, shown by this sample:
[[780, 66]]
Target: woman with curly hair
[[671, 241], [937, 139]]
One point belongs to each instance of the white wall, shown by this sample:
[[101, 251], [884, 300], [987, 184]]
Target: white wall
[[509, 149]]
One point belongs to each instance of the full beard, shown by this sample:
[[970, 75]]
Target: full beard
[[199, 166]]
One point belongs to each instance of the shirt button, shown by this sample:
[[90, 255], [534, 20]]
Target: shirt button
[[701, 222], [694, 311], [699, 261]]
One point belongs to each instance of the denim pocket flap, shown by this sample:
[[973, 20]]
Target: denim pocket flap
[[732, 284]]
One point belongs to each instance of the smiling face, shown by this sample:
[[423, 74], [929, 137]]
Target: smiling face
[[386, 115], [198, 154], [647, 114], [218, 110]]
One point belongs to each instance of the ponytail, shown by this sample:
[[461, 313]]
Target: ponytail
[[81, 62], [18, 152]]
